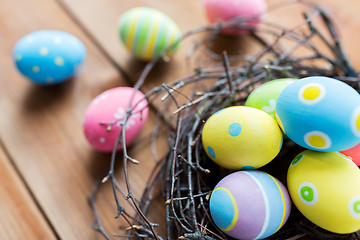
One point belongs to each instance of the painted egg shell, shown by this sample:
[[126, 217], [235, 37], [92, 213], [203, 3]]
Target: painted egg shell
[[241, 137], [320, 113], [250, 205], [353, 153], [224, 10], [265, 96], [110, 108], [49, 57], [325, 188], [147, 33]]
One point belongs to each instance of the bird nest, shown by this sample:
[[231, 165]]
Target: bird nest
[[185, 175]]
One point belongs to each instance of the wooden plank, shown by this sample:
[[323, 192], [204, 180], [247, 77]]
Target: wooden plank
[[19, 216], [41, 127], [103, 27], [189, 14]]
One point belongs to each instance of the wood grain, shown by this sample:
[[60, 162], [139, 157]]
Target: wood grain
[[189, 14], [102, 25], [20, 218], [41, 127]]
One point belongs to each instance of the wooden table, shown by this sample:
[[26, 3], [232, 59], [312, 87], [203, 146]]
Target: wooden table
[[47, 168]]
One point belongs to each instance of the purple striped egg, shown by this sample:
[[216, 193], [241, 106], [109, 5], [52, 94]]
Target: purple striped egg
[[250, 205]]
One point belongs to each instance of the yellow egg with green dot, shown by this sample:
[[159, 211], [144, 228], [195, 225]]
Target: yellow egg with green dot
[[324, 186], [241, 137]]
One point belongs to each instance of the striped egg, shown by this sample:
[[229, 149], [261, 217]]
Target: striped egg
[[320, 113], [147, 33], [241, 137], [324, 186], [49, 57], [250, 205]]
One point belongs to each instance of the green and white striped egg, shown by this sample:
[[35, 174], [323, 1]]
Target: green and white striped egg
[[147, 33]]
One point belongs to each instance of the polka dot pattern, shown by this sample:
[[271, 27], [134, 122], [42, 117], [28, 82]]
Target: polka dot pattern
[[109, 108], [59, 61], [35, 69], [312, 93], [234, 129], [354, 207], [320, 113], [308, 193], [211, 152], [237, 136], [317, 140], [44, 51], [355, 122], [324, 186], [297, 159], [49, 57]]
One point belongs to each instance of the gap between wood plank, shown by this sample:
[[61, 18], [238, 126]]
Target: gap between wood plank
[[28, 189], [97, 44]]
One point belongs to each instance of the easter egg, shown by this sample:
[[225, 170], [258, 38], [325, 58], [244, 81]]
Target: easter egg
[[250, 205], [320, 113], [241, 137], [105, 117], [353, 153], [147, 33], [325, 188], [247, 13], [265, 96], [49, 57]]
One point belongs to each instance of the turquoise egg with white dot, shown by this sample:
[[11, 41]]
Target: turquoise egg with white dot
[[320, 113], [241, 137], [49, 57]]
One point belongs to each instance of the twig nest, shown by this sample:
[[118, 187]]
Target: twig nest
[[249, 12], [107, 114], [250, 205], [320, 113], [147, 33], [353, 153], [49, 57], [241, 137], [265, 96], [325, 188]]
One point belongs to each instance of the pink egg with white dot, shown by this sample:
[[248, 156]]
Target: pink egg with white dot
[[106, 114], [249, 13]]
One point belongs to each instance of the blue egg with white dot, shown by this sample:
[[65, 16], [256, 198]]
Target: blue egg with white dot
[[320, 113], [49, 57]]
